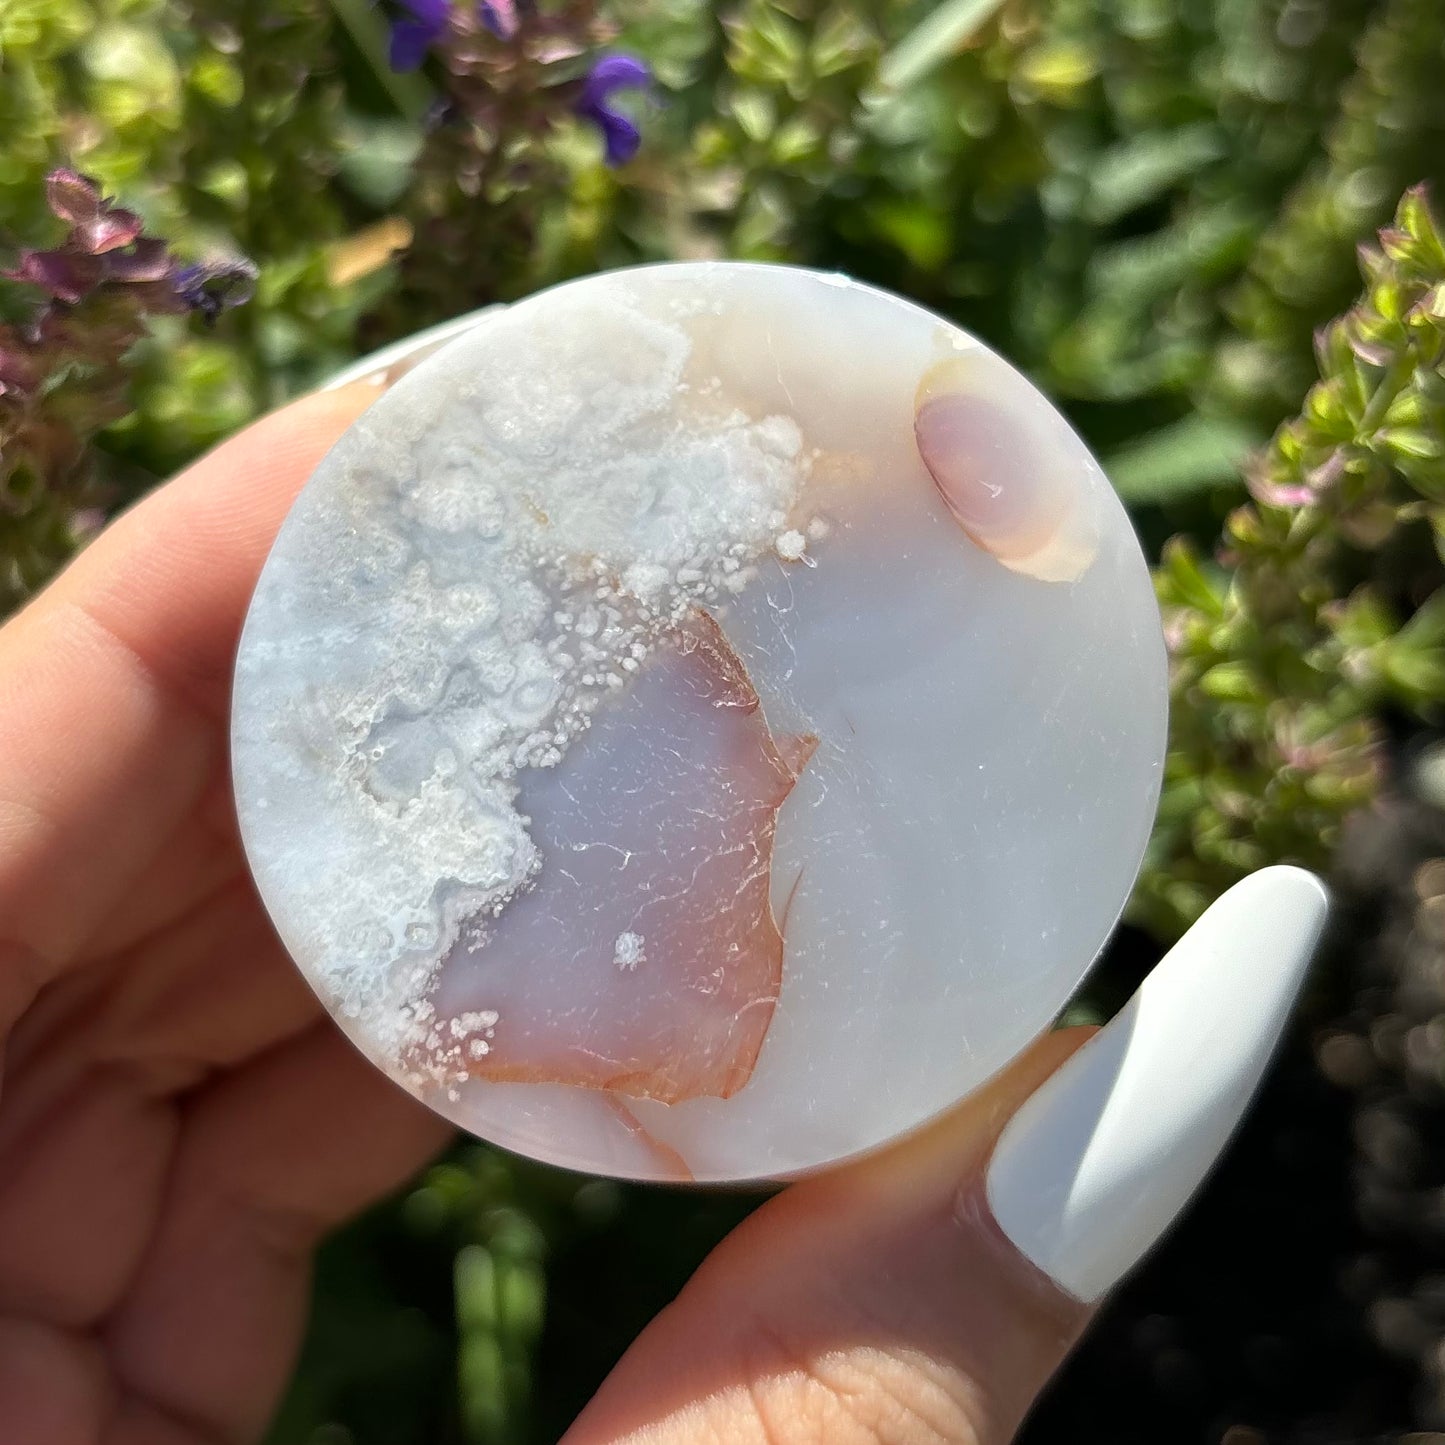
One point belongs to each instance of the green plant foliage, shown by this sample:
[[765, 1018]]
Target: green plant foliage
[[1113, 191], [79, 310], [487, 1303], [260, 135], [1329, 607], [224, 124], [497, 172], [1388, 132]]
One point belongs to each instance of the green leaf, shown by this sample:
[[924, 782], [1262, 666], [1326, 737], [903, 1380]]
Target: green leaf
[[409, 93], [1231, 682], [378, 167], [474, 1279], [1363, 622], [770, 48], [482, 1389], [1181, 579], [841, 41], [1176, 461], [1413, 442], [755, 113], [218, 79], [1420, 675], [1426, 629], [1139, 171], [521, 1298], [796, 140], [945, 31], [921, 232], [1057, 69], [1415, 218]]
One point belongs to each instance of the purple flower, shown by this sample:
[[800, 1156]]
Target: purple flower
[[65, 275], [106, 253], [612, 73], [215, 286], [104, 243], [500, 16], [147, 260], [96, 224], [413, 35]]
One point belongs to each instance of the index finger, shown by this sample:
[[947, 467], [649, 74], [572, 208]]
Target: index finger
[[113, 685], [172, 577]]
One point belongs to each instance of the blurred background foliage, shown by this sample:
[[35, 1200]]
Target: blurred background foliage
[[1155, 207]]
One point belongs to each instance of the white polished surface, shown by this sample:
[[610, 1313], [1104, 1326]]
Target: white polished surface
[[655, 767]]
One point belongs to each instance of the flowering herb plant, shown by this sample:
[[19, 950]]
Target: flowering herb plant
[[521, 32], [62, 375], [1327, 608]]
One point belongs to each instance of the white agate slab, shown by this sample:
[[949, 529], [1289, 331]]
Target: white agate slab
[[701, 722]]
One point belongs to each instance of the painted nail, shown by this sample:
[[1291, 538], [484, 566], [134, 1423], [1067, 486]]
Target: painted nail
[[1096, 1164]]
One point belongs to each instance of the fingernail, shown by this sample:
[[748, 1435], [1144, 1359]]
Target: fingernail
[[1096, 1164]]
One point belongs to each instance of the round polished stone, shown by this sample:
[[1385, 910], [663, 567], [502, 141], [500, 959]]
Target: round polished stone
[[701, 722]]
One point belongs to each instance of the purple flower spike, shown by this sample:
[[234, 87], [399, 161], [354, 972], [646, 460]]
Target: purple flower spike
[[612, 73], [107, 255], [412, 37], [147, 260], [109, 231]]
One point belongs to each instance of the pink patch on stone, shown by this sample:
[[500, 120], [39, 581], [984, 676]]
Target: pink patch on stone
[[997, 476], [645, 958], [671, 1166]]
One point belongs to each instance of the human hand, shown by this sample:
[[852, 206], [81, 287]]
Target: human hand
[[180, 1122]]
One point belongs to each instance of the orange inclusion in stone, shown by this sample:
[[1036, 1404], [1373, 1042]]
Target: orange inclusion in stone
[[657, 825]]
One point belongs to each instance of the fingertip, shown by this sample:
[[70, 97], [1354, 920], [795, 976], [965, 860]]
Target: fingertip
[[275, 454]]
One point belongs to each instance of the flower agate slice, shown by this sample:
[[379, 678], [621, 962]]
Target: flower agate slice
[[701, 722]]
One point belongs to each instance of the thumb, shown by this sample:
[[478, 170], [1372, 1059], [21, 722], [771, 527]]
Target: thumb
[[926, 1294]]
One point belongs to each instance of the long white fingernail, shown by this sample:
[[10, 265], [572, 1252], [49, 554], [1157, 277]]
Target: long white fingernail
[[1096, 1164]]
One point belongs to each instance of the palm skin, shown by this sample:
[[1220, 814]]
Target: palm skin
[[178, 1122]]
